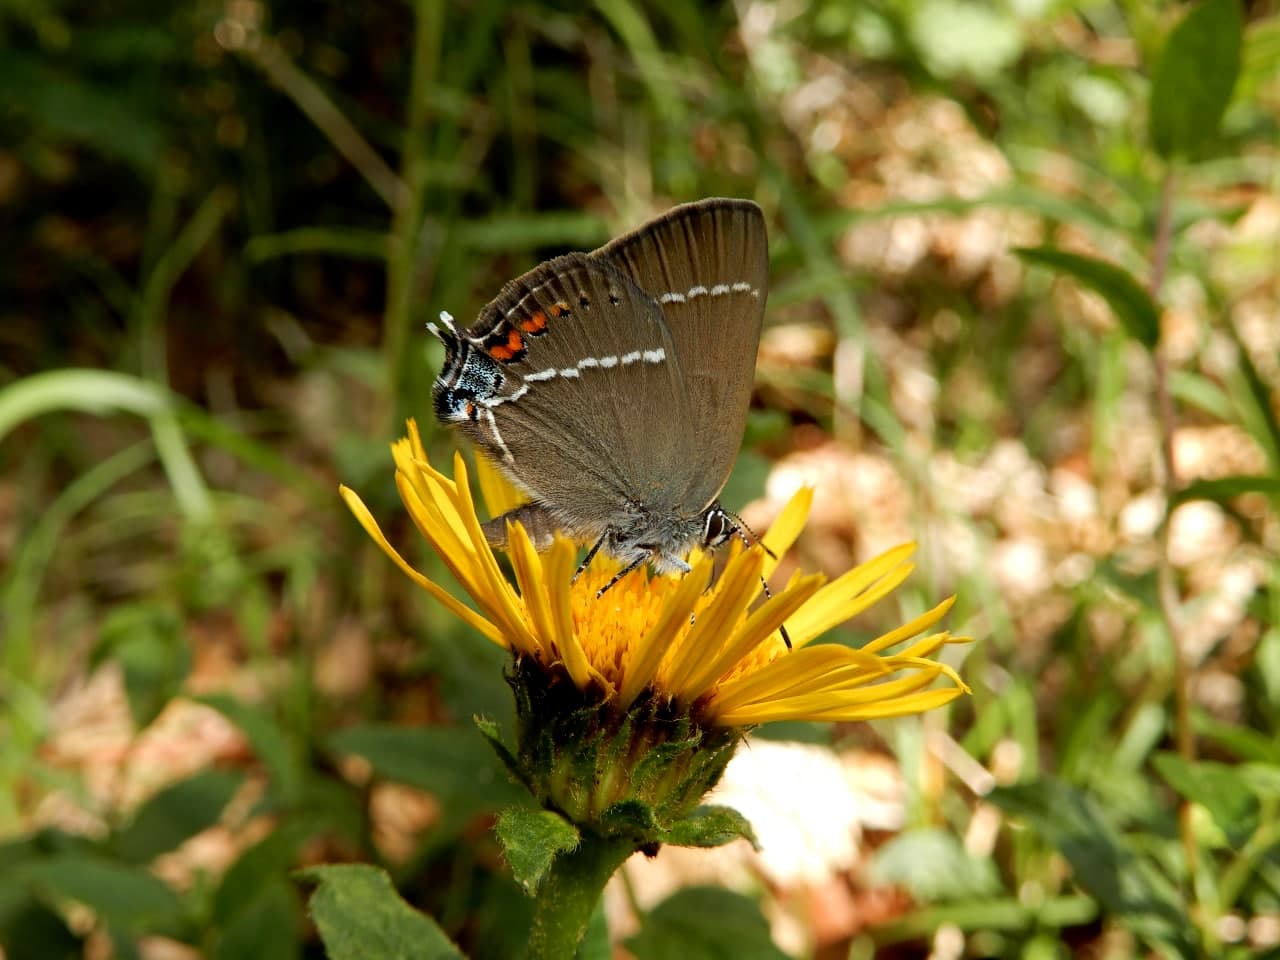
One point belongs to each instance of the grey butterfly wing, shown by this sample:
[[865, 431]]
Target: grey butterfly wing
[[587, 365], [707, 265]]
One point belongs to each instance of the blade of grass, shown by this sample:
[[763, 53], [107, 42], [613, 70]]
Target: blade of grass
[[104, 392], [36, 549]]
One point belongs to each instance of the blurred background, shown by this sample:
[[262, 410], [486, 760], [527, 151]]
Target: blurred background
[[224, 225]]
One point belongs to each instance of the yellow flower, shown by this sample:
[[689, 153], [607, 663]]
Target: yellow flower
[[676, 640]]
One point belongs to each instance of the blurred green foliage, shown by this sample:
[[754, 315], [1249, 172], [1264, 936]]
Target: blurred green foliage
[[225, 224]]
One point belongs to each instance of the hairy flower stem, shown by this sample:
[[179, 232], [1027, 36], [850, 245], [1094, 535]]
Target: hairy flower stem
[[569, 894]]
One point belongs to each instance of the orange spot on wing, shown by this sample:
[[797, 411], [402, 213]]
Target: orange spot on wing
[[537, 322], [559, 309], [505, 351]]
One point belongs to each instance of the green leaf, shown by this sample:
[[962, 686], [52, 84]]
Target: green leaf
[[1262, 778], [630, 816], [1199, 391], [1126, 884], [125, 896], [1247, 744], [1260, 59], [175, 814], [100, 392], [960, 38], [148, 643], [68, 105], [266, 862], [360, 915], [711, 826], [446, 761], [1266, 661], [1194, 77], [1218, 788], [705, 923], [595, 943], [36, 932], [1251, 396], [933, 865], [1003, 913], [532, 839], [1132, 305], [1226, 488], [268, 929], [272, 745]]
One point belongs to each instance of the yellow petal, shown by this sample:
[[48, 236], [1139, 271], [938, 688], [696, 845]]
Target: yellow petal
[[456, 552], [786, 528], [911, 628], [559, 567], [759, 626], [497, 492], [913, 703], [466, 561], [415, 441], [441, 493], [908, 663], [527, 566], [817, 698], [452, 604], [897, 707], [492, 582], [850, 594], [798, 670], [647, 651], [733, 594]]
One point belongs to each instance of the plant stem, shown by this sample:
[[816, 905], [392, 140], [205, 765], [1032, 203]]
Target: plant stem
[[1167, 587], [311, 99], [569, 894], [407, 216]]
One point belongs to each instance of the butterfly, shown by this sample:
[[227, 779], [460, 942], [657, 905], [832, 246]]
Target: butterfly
[[612, 387]]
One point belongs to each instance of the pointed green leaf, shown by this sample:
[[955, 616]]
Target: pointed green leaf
[[595, 944], [630, 817], [268, 929], [1125, 882], [175, 814], [705, 923], [1251, 396], [360, 915], [273, 747], [711, 826], [446, 761], [1218, 788], [266, 862], [932, 865], [124, 896], [32, 931], [1262, 778], [1225, 488], [492, 733], [532, 839], [147, 641], [1132, 305], [1193, 79]]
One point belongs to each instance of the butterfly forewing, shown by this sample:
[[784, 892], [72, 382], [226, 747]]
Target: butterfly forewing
[[707, 265], [589, 415]]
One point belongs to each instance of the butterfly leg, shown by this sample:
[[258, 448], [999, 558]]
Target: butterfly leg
[[620, 574], [591, 555], [764, 584]]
